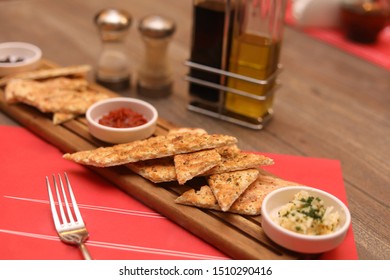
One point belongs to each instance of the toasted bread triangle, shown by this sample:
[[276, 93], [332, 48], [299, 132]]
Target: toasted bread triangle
[[239, 161], [59, 118], [57, 95], [252, 198], [77, 70], [156, 170], [187, 166], [203, 198], [227, 187], [154, 147], [231, 160], [249, 202]]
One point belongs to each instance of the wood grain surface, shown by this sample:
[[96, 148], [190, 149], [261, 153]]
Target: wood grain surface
[[331, 103]]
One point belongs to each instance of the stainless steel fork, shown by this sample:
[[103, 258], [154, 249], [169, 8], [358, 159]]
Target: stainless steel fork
[[70, 230]]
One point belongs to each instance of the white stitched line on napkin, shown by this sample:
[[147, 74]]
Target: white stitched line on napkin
[[99, 208], [153, 250], [29, 234], [121, 246]]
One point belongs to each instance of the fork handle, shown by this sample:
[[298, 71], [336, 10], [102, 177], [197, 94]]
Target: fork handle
[[85, 252]]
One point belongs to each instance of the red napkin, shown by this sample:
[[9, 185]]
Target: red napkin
[[120, 226], [324, 174], [378, 53]]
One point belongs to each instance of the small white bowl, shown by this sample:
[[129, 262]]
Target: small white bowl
[[30, 54], [121, 135], [300, 242]]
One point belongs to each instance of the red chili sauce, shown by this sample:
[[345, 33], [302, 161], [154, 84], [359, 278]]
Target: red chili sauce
[[122, 118]]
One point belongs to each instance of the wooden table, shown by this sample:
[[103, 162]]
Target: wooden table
[[331, 104]]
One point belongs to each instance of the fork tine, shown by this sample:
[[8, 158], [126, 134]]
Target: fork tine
[[52, 204], [70, 215], [73, 199], [60, 203]]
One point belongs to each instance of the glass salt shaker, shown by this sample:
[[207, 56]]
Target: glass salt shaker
[[154, 74], [113, 70]]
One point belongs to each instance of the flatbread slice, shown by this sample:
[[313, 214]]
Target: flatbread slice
[[203, 198], [196, 142], [228, 151], [191, 165], [77, 70], [156, 170], [155, 147], [69, 101], [224, 151], [239, 161], [22, 90], [227, 187], [17, 89], [78, 84], [186, 130], [187, 166], [59, 118], [230, 161], [57, 95], [249, 203], [72, 97]]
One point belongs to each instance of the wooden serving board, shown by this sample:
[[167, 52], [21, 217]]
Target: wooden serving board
[[238, 236]]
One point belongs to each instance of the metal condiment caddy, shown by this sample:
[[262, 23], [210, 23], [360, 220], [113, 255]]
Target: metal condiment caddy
[[238, 88]]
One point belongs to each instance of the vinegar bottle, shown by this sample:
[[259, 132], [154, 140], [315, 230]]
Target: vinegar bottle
[[210, 32]]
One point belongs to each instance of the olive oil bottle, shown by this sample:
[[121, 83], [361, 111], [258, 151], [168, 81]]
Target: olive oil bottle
[[256, 57], [255, 52]]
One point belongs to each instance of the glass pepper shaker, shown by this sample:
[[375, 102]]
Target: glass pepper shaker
[[113, 69], [154, 74]]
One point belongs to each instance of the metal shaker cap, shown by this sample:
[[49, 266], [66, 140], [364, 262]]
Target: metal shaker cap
[[113, 20], [113, 24], [156, 26]]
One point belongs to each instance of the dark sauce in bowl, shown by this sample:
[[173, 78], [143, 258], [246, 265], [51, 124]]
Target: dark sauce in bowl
[[11, 59]]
